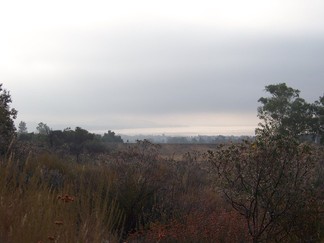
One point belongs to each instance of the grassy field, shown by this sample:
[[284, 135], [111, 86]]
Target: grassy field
[[136, 193]]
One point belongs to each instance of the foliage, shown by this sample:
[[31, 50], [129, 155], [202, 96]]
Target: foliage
[[136, 194], [318, 120], [7, 115], [146, 192], [43, 129], [22, 128], [79, 142], [139, 181], [111, 137], [284, 112], [269, 181], [78, 138]]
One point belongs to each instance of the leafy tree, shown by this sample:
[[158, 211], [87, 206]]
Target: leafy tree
[[284, 112], [7, 115], [270, 183], [77, 140], [56, 138], [23, 134], [43, 129], [111, 137], [82, 135], [22, 128], [95, 146], [42, 137], [318, 121]]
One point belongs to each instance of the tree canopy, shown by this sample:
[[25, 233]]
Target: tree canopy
[[285, 112], [7, 116], [111, 137], [318, 121], [43, 129], [22, 128]]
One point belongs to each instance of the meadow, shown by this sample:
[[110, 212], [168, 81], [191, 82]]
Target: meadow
[[139, 192], [133, 194]]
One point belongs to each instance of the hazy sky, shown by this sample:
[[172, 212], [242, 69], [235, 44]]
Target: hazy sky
[[195, 67]]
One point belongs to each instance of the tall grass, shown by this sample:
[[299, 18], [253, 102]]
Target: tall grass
[[44, 199], [135, 194]]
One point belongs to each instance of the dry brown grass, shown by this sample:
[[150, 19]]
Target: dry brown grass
[[140, 193], [75, 211]]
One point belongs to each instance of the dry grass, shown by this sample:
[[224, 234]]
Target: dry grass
[[74, 210], [139, 193]]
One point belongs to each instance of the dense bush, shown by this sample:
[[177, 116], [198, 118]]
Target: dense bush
[[271, 182]]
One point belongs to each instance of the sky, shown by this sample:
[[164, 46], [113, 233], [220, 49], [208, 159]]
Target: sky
[[153, 67]]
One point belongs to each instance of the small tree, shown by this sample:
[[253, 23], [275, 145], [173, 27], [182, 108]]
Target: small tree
[[7, 115], [43, 135], [22, 128], [77, 140], [111, 137], [43, 129], [269, 182]]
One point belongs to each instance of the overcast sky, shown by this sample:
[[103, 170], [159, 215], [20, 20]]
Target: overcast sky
[[173, 67]]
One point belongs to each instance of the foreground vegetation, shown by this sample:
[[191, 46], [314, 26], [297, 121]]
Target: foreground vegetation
[[138, 194], [74, 186]]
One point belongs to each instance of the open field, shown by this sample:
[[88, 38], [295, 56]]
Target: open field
[[138, 193], [177, 151]]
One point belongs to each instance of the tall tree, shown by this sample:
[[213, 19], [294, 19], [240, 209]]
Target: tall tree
[[7, 116], [318, 121], [284, 112]]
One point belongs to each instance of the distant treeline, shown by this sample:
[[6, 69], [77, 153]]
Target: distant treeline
[[200, 139], [75, 142]]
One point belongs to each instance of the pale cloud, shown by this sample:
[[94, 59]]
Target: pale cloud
[[137, 64]]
